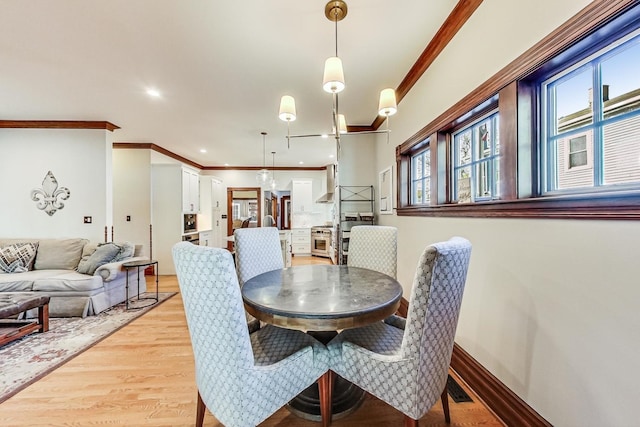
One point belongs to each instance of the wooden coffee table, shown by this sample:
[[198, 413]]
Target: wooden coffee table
[[12, 304]]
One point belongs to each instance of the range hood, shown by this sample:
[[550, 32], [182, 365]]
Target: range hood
[[331, 183]]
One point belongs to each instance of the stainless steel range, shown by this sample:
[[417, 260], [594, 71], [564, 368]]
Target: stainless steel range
[[321, 243]]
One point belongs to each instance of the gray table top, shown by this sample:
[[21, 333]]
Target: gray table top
[[321, 297]]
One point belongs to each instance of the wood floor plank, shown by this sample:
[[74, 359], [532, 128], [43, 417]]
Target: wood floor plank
[[143, 375]]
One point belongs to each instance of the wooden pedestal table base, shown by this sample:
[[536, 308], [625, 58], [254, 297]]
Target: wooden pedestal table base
[[321, 300]]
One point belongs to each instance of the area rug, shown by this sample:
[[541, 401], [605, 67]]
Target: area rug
[[30, 358]]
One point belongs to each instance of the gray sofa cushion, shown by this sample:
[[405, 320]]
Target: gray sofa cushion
[[103, 254], [67, 281], [59, 254]]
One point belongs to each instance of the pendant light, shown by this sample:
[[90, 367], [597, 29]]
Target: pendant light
[[333, 82], [264, 176], [273, 172]]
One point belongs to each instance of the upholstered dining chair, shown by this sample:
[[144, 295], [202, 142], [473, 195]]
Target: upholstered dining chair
[[408, 368], [258, 250], [242, 378], [374, 247]]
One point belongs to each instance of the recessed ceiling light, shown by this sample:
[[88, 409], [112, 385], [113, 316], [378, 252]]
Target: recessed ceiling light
[[154, 93], [202, 150], [331, 156], [226, 164], [301, 162]]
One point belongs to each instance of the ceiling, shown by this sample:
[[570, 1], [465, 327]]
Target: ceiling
[[221, 68]]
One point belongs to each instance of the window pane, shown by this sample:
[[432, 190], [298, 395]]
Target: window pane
[[427, 193], [496, 135], [578, 144], [463, 147], [463, 185], [427, 163], [420, 172], [417, 192], [483, 187], [577, 159], [573, 101], [621, 80], [484, 140], [622, 151]]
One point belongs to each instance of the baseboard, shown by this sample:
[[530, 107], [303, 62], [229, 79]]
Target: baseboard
[[512, 410]]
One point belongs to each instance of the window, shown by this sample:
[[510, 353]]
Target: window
[[558, 141], [475, 158], [578, 155], [421, 178], [235, 211], [591, 138]]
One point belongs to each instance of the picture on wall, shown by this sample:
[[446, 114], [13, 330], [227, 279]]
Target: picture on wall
[[385, 200], [49, 198]]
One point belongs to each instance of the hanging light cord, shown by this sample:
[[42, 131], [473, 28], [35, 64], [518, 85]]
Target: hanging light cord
[[335, 21], [336, 121], [264, 151]]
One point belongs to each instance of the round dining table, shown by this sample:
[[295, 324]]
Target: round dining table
[[321, 300]]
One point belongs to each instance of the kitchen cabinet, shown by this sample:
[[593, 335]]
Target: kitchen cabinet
[[206, 238], [301, 196], [285, 244], [301, 241], [190, 191]]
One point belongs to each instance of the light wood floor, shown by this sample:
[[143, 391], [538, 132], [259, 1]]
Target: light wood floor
[[143, 375]]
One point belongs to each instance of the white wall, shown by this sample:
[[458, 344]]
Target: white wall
[[132, 196], [357, 155], [167, 217], [550, 306], [79, 159]]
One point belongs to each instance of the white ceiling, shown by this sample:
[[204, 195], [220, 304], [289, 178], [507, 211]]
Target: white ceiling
[[221, 68]]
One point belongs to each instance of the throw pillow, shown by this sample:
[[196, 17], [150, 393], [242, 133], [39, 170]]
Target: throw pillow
[[18, 257], [104, 253], [59, 254], [126, 251]]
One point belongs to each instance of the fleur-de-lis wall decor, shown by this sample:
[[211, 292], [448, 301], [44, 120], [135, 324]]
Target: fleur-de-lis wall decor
[[50, 197]]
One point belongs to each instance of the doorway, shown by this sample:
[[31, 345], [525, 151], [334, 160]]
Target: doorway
[[243, 209], [274, 210], [285, 212]]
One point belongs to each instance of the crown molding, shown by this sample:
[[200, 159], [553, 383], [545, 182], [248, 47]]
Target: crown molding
[[57, 124], [161, 150], [456, 19]]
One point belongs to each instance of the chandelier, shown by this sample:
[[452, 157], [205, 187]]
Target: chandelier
[[264, 177], [333, 82]]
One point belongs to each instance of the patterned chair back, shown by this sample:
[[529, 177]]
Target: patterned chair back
[[258, 250], [216, 320], [374, 247], [433, 312]]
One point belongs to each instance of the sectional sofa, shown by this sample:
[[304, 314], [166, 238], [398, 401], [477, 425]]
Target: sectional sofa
[[81, 278]]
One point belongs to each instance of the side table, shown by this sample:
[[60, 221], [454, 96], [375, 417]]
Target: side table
[[137, 265]]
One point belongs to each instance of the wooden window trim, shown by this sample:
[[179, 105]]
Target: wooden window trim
[[516, 107]]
